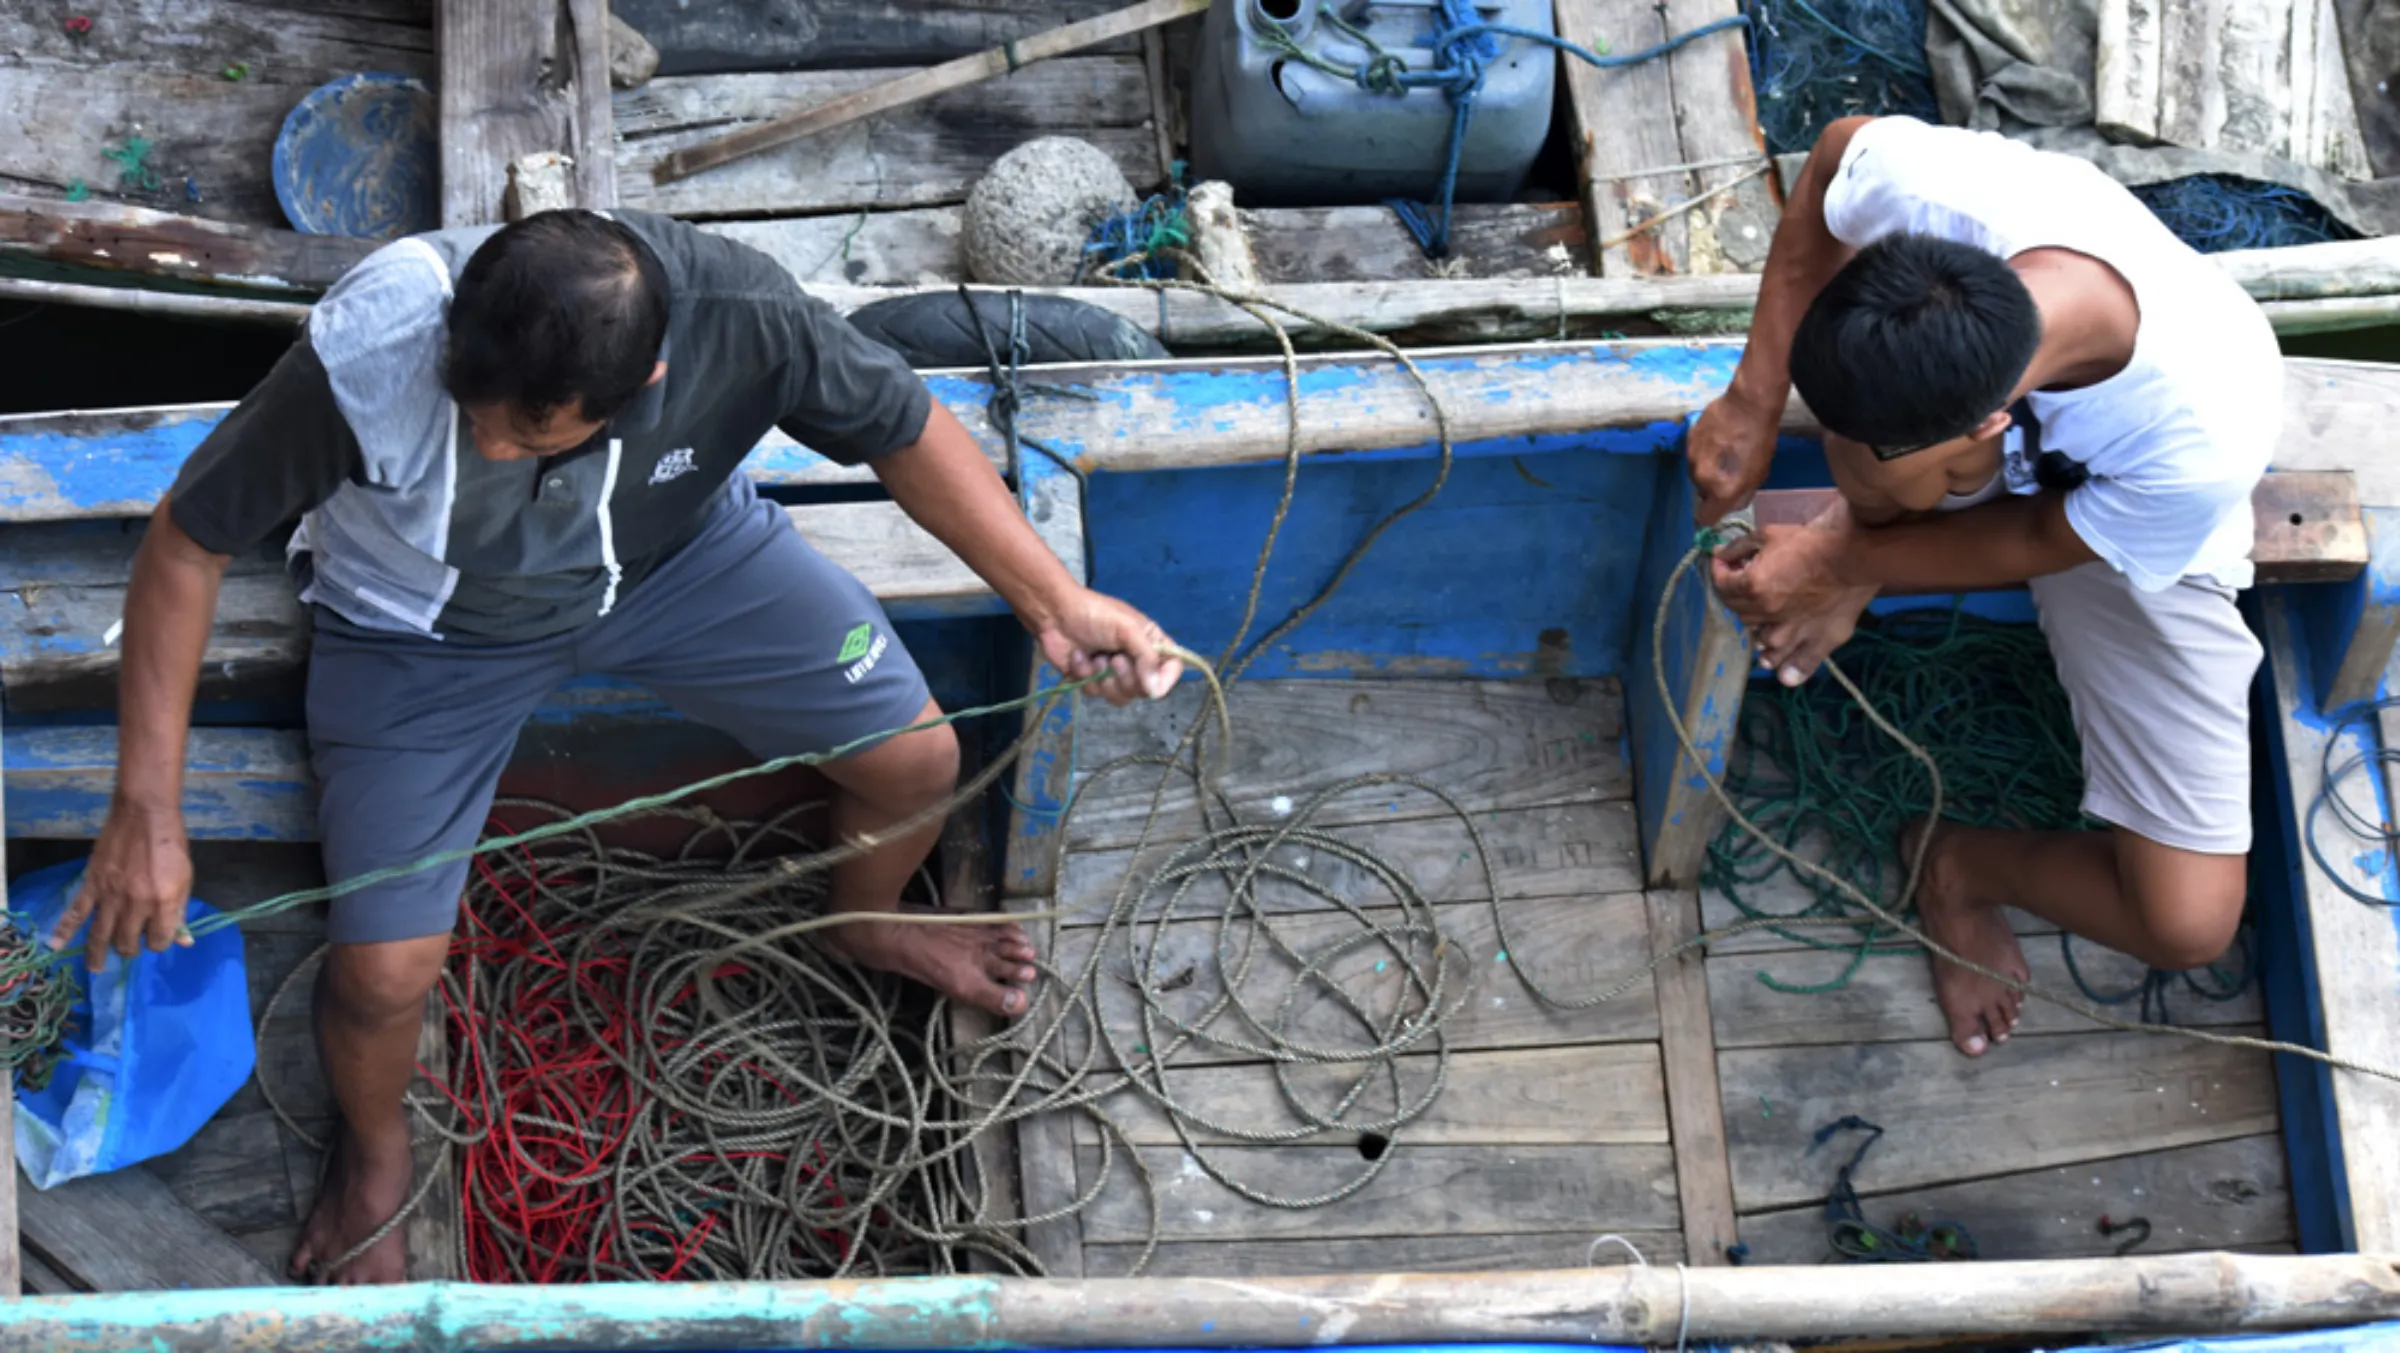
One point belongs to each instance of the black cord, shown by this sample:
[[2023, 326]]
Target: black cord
[[2375, 760], [1007, 398]]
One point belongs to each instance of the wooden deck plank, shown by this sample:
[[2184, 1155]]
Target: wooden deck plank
[[1490, 744], [2034, 1103], [1432, 1190], [923, 155], [2354, 949], [294, 45], [1716, 118], [1890, 998], [160, 244], [124, 1231], [230, 1172], [1783, 895], [748, 35], [1687, 1043], [1564, 850], [1613, 1094], [1573, 946], [1432, 1253], [2218, 1196], [219, 134]]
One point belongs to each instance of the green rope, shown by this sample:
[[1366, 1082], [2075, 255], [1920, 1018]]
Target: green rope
[[1985, 700]]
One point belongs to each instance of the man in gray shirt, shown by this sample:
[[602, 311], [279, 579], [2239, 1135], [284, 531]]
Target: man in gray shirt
[[515, 457]]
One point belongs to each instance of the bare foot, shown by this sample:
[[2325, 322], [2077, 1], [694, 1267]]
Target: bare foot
[[1981, 1011], [363, 1190], [985, 966]]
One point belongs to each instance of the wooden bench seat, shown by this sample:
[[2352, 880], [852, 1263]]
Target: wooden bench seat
[[2310, 526], [55, 649]]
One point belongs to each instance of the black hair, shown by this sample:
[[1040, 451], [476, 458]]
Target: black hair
[[562, 310], [1914, 342]]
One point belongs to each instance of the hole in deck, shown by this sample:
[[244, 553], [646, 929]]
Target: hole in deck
[[1372, 1145], [2295, 519]]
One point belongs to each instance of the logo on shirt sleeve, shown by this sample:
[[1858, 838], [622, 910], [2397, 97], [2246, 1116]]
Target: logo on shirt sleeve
[[862, 648], [673, 465]]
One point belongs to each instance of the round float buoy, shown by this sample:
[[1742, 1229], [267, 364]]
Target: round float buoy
[[1029, 217]]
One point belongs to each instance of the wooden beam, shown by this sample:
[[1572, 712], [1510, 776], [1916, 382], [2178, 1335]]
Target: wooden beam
[[1705, 662], [1695, 1109], [924, 84], [161, 244], [221, 309], [503, 95], [2350, 950], [2353, 624], [2310, 526], [592, 135], [2182, 1294]]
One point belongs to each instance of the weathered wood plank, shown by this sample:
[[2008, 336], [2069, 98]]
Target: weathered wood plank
[[57, 123], [1582, 850], [2036, 1102], [2308, 522], [280, 44], [1890, 999], [1688, 681], [241, 784], [162, 244], [966, 885], [504, 91], [1456, 1191], [759, 35], [591, 129], [231, 1172], [1573, 945], [1687, 1044], [2220, 1196], [430, 1235], [2354, 948], [1491, 745], [923, 155], [1433, 1253], [126, 1232], [901, 89], [2261, 75], [1622, 396], [1619, 134], [1610, 1095], [920, 246], [1716, 119]]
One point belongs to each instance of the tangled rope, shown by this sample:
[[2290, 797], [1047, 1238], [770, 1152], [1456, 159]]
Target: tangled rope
[[1984, 700]]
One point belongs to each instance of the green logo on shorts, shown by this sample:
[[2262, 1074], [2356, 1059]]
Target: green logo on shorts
[[855, 646]]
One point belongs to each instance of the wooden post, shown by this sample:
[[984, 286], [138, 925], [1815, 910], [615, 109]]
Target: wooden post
[[2352, 625], [1045, 777], [519, 79], [965, 873], [1706, 655]]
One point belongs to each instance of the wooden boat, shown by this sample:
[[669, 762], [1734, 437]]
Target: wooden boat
[[1497, 642]]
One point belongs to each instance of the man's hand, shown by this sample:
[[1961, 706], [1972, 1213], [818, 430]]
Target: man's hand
[[1792, 575], [1794, 649], [1730, 449], [1093, 633], [135, 887]]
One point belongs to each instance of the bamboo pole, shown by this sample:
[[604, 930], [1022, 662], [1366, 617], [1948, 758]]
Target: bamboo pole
[[154, 302], [2192, 1293], [924, 84]]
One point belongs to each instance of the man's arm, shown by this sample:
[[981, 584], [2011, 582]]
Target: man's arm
[[140, 873], [1801, 571], [1733, 445], [945, 484]]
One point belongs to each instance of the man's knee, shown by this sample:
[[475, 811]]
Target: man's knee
[[2191, 904], [379, 983], [914, 769]]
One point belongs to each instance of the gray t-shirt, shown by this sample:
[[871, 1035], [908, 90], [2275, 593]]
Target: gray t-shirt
[[404, 527]]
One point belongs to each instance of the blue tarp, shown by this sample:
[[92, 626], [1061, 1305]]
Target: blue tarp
[[2381, 1338]]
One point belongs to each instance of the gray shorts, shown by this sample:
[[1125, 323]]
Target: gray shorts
[[747, 629], [2160, 683]]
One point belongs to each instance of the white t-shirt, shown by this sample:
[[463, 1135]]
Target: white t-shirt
[[2177, 440]]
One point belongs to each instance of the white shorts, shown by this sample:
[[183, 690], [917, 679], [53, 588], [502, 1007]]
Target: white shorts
[[2160, 683]]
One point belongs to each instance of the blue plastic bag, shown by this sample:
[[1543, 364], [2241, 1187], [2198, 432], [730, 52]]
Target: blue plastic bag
[[154, 1047]]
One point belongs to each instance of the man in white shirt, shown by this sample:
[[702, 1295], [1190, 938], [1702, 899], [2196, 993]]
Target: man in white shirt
[[2023, 378]]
